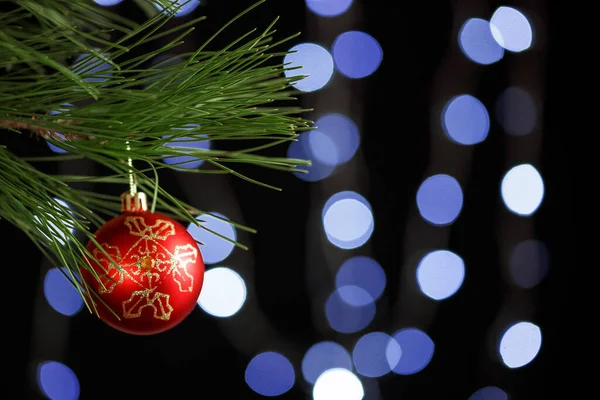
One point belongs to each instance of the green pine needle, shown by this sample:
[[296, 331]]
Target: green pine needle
[[111, 106]]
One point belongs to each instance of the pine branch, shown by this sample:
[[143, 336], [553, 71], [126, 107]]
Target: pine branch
[[108, 106]]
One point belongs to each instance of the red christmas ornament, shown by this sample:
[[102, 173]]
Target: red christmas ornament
[[158, 274]]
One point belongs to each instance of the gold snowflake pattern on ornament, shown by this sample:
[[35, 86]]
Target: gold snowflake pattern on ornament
[[147, 262]]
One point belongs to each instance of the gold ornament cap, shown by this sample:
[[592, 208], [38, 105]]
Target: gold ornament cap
[[136, 202]]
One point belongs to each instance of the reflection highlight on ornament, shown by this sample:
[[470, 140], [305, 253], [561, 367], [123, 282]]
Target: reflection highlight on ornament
[[214, 249], [223, 293]]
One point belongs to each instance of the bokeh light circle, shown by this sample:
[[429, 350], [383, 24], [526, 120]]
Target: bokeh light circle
[[338, 384], [185, 7], [57, 381], [522, 189], [440, 274], [363, 272], [270, 374], [375, 354], [59, 136], [440, 199], [214, 248], [465, 120], [347, 220], [91, 67], [357, 54], [477, 42], [328, 8], [347, 318], [301, 149], [529, 263], [61, 294], [323, 356], [311, 60], [107, 3], [189, 162], [417, 351], [223, 292], [511, 29], [520, 344], [489, 393], [335, 141], [516, 111]]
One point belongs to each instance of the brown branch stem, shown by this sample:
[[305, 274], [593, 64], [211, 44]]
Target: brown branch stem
[[43, 132]]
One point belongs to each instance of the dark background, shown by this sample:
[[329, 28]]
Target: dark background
[[195, 360]]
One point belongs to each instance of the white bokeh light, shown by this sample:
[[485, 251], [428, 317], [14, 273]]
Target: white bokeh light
[[347, 220], [511, 29], [338, 384], [520, 344], [440, 274], [522, 189], [223, 292], [312, 61], [56, 226]]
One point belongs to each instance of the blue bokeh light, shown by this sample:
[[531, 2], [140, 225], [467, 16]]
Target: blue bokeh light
[[357, 54], [335, 141], [328, 8], [323, 356], [107, 3], [477, 42], [214, 249], [189, 162], [59, 135], [57, 381], [529, 263], [90, 67], [60, 293], [489, 393], [417, 351], [440, 199], [312, 61], [346, 318], [363, 272], [187, 6], [375, 354], [516, 111], [466, 120], [270, 374], [301, 149]]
